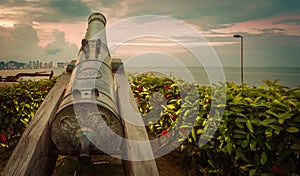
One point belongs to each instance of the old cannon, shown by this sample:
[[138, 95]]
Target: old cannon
[[89, 103], [84, 113]]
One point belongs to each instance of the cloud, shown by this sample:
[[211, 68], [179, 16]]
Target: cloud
[[21, 43], [264, 26], [60, 48], [18, 41]]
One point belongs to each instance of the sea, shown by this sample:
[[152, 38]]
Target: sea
[[252, 76]]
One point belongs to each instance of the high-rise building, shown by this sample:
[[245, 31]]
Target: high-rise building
[[2, 65]]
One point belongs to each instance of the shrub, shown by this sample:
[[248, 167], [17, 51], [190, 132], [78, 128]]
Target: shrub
[[18, 104], [258, 133]]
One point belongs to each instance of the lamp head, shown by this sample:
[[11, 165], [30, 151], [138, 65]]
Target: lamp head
[[237, 36]]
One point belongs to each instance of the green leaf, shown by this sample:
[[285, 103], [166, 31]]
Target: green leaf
[[297, 119], [237, 108], [292, 103], [211, 163], [240, 131], [238, 136], [241, 155], [249, 126], [194, 135], [229, 147], [292, 123], [246, 167], [285, 115], [277, 102], [295, 147], [268, 146], [292, 129], [171, 106], [15, 102], [276, 127], [281, 121], [263, 158], [252, 144], [240, 125], [17, 108], [269, 132], [240, 119], [255, 122], [272, 113], [252, 172], [245, 143], [27, 106], [266, 122]]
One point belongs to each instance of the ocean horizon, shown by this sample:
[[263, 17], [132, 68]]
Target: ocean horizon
[[253, 76]]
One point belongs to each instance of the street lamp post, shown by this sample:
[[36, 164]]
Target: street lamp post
[[242, 64]]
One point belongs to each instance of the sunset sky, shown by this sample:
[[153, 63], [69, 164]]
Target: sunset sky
[[53, 29]]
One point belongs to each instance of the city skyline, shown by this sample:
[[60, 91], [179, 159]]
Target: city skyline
[[31, 64]]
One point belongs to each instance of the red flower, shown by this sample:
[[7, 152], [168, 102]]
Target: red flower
[[167, 86], [2, 138], [165, 95], [165, 133], [43, 88], [278, 170], [140, 89]]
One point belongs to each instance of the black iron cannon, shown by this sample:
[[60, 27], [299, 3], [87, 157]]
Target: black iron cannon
[[19, 75]]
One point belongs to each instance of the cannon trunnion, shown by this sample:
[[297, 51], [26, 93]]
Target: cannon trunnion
[[87, 116]]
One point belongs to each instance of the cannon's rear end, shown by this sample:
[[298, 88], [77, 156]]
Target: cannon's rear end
[[88, 116]]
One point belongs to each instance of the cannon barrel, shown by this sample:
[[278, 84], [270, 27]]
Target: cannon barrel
[[88, 110]]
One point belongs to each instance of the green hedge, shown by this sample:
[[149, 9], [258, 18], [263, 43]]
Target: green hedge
[[258, 133], [18, 104]]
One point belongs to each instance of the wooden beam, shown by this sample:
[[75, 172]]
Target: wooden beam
[[138, 154], [32, 154]]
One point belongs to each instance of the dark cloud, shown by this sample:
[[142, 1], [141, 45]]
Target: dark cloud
[[209, 14], [46, 11], [70, 8]]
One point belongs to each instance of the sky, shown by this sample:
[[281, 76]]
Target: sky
[[51, 30]]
